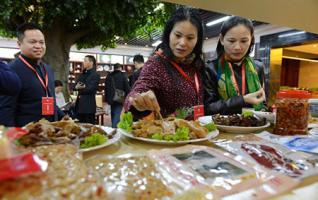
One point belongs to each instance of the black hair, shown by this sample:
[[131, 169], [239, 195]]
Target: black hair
[[24, 27], [138, 58], [183, 14], [58, 83], [229, 24], [117, 66], [91, 59]]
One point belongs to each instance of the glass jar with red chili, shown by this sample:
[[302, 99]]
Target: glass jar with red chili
[[292, 112]]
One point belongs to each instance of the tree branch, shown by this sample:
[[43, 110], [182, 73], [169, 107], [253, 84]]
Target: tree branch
[[73, 36]]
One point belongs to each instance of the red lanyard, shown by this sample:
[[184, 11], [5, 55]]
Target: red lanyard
[[196, 79], [234, 79], [44, 84]]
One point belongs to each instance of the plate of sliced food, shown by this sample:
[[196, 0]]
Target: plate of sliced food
[[169, 130], [102, 136], [236, 123], [87, 137]]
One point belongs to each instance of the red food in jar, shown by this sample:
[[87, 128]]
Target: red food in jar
[[292, 111]]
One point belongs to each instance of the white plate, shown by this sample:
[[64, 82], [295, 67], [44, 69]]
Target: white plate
[[209, 136], [115, 138], [233, 129], [242, 129]]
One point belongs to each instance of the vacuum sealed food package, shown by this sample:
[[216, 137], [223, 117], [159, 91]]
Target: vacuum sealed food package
[[15, 164], [21, 165], [297, 165], [305, 143], [66, 177], [224, 174], [131, 177]]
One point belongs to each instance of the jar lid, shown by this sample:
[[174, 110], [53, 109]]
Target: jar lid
[[300, 94]]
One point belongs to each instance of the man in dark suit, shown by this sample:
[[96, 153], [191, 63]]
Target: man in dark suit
[[139, 63], [87, 85], [36, 98], [116, 80]]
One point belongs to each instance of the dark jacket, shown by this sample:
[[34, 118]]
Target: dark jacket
[[26, 106], [120, 80], [134, 77], [213, 103], [10, 83], [86, 101]]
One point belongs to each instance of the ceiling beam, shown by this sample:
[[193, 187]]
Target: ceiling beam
[[298, 14]]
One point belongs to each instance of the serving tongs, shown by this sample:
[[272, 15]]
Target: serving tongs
[[167, 126], [158, 115]]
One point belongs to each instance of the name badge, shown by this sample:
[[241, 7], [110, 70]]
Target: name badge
[[47, 106], [198, 111]]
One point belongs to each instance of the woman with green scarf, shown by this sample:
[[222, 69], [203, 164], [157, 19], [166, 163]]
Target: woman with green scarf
[[234, 80]]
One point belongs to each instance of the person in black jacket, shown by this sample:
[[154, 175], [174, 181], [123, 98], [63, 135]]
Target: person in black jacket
[[10, 83], [36, 98], [119, 80], [139, 63], [87, 85], [234, 80]]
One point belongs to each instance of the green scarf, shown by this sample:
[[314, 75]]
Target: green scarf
[[226, 79]]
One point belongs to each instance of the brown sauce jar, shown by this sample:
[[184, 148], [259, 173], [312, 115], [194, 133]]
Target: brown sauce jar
[[292, 112]]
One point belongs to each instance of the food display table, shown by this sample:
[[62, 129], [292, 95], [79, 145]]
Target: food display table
[[127, 145], [146, 169]]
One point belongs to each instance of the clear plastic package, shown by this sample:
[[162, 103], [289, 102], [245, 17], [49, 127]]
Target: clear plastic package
[[271, 155], [224, 174], [305, 143], [132, 177], [66, 177], [14, 164]]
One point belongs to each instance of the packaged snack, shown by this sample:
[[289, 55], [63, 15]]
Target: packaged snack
[[21, 165], [306, 143], [14, 165], [271, 155], [132, 177], [66, 177], [224, 174]]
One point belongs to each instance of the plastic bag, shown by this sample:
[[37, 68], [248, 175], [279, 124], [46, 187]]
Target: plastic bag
[[305, 143], [132, 177], [272, 155], [21, 165], [222, 173], [65, 178], [13, 164]]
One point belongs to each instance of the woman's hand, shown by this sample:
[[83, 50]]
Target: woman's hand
[[255, 98], [145, 101]]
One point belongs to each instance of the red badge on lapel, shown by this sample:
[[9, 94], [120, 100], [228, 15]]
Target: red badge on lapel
[[47, 106], [198, 111]]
